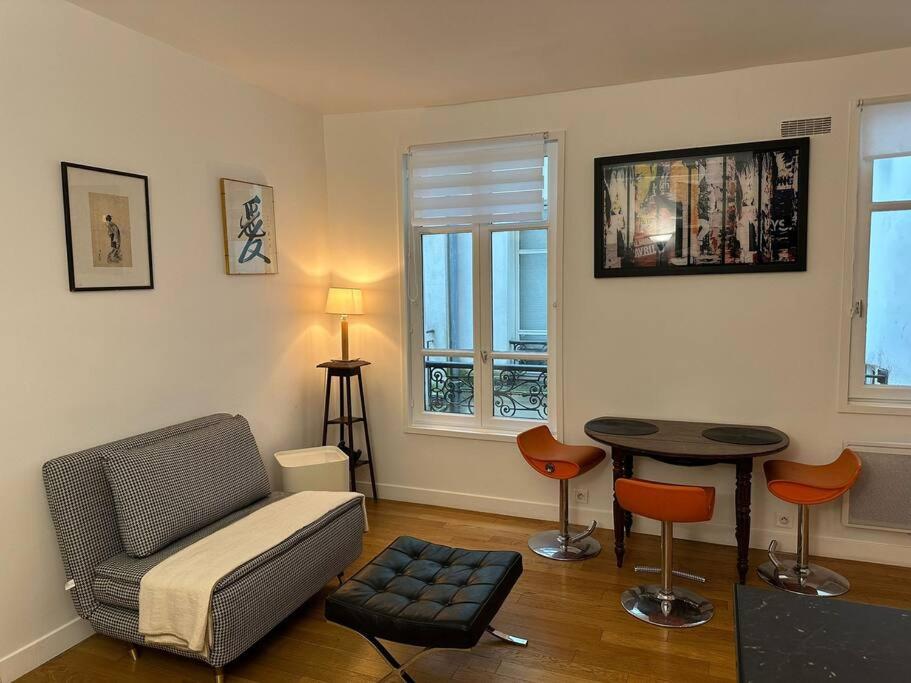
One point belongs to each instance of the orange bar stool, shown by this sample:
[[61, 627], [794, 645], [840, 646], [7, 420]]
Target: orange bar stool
[[807, 485], [667, 605], [559, 461]]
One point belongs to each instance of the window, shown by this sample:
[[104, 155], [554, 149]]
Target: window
[[880, 327], [481, 244]]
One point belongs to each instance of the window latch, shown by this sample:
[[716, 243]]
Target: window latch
[[483, 356], [857, 309]]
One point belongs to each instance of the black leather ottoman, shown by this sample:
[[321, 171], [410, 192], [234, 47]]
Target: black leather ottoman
[[432, 596]]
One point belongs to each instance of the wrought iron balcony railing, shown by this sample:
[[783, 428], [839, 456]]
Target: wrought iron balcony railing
[[519, 388], [874, 374]]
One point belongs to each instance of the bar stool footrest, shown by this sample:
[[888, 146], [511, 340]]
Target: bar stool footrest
[[584, 534], [641, 569], [554, 546]]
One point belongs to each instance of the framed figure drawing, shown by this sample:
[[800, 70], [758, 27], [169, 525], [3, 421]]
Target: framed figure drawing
[[108, 230], [248, 211], [727, 209]]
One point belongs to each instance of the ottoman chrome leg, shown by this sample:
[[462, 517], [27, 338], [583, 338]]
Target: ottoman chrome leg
[[515, 640], [800, 575], [560, 545]]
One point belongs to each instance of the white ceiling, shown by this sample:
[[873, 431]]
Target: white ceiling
[[365, 55]]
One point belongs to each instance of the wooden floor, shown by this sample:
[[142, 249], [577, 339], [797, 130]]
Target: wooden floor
[[570, 611]]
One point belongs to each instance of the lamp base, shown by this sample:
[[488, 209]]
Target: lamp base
[[344, 360]]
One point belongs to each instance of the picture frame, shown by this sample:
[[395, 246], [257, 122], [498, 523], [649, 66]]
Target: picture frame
[[248, 216], [739, 208], [107, 221]]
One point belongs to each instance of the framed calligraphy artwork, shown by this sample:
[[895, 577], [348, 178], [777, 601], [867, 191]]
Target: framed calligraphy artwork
[[108, 230], [248, 210]]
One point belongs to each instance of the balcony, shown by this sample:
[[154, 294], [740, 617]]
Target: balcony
[[519, 388]]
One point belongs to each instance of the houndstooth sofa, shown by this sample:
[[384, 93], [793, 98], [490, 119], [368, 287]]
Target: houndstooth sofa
[[248, 602]]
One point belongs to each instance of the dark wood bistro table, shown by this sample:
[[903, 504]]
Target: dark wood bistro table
[[691, 444]]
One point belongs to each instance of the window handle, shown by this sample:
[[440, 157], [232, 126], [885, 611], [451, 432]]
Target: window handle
[[483, 356], [857, 309]]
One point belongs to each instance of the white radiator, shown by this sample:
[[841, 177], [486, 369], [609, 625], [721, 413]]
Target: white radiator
[[881, 498]]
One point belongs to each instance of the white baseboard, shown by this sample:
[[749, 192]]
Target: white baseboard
[[42, 649], [825, 546]]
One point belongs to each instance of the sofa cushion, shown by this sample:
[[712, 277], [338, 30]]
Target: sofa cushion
[[117, 579], [168, 489], [250, 602]]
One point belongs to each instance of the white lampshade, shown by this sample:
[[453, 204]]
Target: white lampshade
[[662, 238], [344, 301]]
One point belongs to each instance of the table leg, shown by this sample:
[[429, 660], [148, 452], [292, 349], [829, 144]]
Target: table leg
[[351, 457], [341, 412], [326, 409], [628, 473], [360, 386], [742, 499], [619, 515]]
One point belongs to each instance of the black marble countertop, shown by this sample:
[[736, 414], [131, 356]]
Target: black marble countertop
[[787, 637]]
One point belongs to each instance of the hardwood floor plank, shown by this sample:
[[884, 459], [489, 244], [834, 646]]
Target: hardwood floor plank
[[570, 611]]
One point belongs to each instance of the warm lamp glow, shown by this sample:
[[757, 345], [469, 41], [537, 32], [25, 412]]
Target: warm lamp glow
[[344, 301]]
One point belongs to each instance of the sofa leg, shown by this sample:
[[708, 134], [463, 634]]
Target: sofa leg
[[219, 674], [134, 652]]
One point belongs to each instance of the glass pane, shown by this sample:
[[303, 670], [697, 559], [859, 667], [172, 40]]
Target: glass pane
[[519, 286], [533, 239], [449, 385], [520, 389], [448, 296], [892, 179], [889, 300]]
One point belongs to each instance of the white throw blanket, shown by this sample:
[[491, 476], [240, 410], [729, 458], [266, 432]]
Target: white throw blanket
[[175, 596]]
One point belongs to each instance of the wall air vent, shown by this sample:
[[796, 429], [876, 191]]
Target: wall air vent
[[799, 127]]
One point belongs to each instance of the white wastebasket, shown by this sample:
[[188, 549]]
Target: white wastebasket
[[324, 468]]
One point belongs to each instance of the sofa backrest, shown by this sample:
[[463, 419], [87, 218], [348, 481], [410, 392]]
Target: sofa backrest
[[82, 508]]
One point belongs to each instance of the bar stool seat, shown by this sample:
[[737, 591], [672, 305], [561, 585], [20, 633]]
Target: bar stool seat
[[666, 605], [806, 485], [563, 462]]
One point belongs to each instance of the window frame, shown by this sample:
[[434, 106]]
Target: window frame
[[483, 424], [854, 395]]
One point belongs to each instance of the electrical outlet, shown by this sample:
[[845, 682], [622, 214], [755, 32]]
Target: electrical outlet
[[784, 520], [581, 495]]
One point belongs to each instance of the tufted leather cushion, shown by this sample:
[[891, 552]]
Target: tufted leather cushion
[[419, 593]]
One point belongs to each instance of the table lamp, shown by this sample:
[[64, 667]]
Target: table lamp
[[344, 302]]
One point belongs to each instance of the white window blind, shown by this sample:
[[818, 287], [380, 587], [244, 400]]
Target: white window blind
[[478, 182], [884, 129]]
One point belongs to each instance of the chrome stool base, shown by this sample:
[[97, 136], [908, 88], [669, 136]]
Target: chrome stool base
[[817, 581], [548, 544], [686, 610]]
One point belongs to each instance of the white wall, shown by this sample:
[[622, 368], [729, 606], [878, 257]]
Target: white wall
[[80, 369], [760, 348]]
